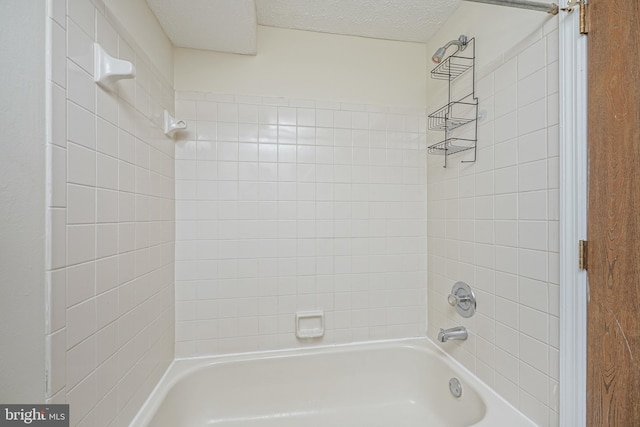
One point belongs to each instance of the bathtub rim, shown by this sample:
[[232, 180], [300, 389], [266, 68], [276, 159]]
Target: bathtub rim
[[182, 367]]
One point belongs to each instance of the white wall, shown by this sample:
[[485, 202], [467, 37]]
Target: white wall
[[285, 206], [494, 223], [144, 28], [111, 206], [300, 185], [307, 65], [22, 201]]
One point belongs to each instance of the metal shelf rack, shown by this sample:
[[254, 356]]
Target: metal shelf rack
[[452, 146], [452, 67], [457, 116], [452, 116]]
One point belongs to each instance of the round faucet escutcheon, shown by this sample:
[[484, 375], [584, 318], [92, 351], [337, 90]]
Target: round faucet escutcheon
[[463, 299]]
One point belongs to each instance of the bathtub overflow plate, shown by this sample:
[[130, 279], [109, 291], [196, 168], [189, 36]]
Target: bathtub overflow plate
[[455, 387]]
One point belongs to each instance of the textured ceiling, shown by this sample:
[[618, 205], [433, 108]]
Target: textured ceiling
[[222, 25], [406, 20], [230, 25]]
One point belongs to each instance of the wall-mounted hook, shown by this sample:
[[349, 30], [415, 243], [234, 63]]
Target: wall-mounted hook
[[171, 125], [108, 70]]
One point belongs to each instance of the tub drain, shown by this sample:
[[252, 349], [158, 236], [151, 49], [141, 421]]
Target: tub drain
[[455, 387]]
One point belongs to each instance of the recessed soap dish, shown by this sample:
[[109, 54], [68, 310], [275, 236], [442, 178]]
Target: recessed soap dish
[[310, 324]]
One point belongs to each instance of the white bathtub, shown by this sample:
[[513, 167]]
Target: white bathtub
[[391, 384]]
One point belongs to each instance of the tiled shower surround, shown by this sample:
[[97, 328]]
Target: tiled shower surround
[[285, 206], [494, 224], [270, 206], [110, 333]]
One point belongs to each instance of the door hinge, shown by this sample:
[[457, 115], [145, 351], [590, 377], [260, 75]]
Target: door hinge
[[584, 17], [584, 13], [582, 254]]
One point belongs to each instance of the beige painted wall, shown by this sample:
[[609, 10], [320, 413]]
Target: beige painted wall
[[22, 202], [496, 30], [308, 65], [143, 26]]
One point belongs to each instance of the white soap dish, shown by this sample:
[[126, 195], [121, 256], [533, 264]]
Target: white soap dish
[[310, 324], [172, 125], [108, 70]]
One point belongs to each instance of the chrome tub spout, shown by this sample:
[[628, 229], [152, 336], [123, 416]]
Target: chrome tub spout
[[457, 333]]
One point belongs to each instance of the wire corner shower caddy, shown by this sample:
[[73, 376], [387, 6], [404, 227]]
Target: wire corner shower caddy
[[458, 118]]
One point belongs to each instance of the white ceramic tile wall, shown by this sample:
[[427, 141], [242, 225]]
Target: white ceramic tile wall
[[494, 224], [111, 214], [285, 205]]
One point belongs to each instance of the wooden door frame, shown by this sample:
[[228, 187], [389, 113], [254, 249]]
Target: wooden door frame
[[573, 220], [613, 332]]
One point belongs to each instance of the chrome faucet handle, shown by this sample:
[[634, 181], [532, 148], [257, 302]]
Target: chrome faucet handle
[[454, 299], [463, 299]]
